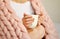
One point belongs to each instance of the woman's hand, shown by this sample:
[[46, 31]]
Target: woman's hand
[[27, 20]]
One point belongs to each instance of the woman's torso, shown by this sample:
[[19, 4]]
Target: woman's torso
[[21, 8]]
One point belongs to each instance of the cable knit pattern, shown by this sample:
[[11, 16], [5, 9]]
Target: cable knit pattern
[[11, 26]]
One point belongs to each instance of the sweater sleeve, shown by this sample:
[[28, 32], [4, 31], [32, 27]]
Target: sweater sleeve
[[50, 29]]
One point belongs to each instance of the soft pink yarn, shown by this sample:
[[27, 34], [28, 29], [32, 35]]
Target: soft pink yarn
[[11, 26]]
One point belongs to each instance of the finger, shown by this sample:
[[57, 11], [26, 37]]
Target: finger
[[27, 25], [30, 22], [29, 19], [27, 22], [27, 16]]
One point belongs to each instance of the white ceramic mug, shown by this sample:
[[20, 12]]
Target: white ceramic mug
[[34, 24]]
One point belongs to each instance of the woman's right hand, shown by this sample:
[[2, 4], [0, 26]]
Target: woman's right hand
[[27, 20]]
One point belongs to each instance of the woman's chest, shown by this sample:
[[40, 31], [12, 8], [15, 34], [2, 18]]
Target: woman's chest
[[20, 9]]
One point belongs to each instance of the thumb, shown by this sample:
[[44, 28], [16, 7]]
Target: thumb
[[26, 14]]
